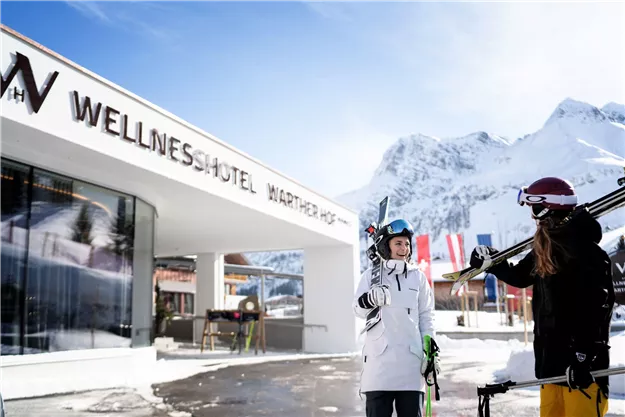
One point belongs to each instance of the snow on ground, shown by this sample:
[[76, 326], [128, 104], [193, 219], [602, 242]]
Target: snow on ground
[[485, 321], [520, 366], [477, 362]]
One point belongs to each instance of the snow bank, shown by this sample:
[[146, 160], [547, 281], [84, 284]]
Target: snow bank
[[447, 343], [484, 321], [520, 366]]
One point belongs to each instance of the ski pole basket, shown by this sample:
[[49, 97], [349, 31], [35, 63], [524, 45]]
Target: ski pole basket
[[485, 393]]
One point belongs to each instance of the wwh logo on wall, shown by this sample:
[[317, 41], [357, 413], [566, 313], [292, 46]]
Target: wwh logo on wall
[[36, 95]]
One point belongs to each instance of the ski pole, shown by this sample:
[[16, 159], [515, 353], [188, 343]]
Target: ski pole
[[487, 392], [431, 351]]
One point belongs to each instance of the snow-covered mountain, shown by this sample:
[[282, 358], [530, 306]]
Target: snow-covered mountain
[[469, 184]]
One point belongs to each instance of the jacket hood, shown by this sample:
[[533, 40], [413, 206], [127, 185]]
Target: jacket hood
[[583, 227]]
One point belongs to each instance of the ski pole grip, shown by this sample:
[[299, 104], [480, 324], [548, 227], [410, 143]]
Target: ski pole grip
[[492, 389]]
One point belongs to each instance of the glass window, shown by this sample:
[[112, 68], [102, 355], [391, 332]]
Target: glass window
[[172, 301], [178, 303], [79, 292], [67, 263], [15, 179], [188, 303]]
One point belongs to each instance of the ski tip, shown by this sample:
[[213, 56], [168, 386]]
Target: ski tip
[[453, 276], [455, 288]]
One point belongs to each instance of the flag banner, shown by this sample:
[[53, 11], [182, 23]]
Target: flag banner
[[423, 256], [456, 253], [485, 239]]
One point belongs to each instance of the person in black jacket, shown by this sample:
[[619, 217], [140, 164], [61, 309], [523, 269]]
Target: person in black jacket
[[573, 298]]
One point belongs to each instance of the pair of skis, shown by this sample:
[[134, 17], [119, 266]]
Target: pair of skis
[[375, 315], [597, 208]]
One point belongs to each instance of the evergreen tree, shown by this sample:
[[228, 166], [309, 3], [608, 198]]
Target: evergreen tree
[[83, 225], [121, 231]]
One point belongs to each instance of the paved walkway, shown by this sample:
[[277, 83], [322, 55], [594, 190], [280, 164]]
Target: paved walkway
[[314, 388], [295, 388], [101, 403]]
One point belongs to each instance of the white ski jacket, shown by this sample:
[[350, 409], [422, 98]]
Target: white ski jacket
[[393, 348]]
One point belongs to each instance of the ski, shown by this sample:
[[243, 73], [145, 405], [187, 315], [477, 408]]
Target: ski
[[597, 208], [375, 315]]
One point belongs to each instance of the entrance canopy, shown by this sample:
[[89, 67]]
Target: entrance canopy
[[209, 196]]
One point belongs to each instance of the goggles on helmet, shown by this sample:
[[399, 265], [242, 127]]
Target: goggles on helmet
[[398, 226], [539, 211], [564, 200]]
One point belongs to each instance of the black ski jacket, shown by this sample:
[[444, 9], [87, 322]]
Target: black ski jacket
[[572, 309]]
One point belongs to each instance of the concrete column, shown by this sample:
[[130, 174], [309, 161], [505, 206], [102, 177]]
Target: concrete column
[[209, 289], [331, 275], [143, 270]]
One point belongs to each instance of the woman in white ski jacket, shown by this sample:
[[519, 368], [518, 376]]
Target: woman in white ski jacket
[[394, 363]]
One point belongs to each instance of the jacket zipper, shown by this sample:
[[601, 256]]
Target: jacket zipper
[[398, 285]]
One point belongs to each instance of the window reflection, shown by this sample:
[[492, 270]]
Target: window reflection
[[14, 198], [76, 290], [179, 303]]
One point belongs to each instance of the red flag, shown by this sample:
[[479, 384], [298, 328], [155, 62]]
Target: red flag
[[456, 253], [423, 256]]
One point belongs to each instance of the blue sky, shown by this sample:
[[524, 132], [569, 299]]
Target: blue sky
[[320, 90]]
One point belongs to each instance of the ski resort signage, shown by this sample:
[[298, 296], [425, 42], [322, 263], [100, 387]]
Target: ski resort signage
[[36, 94], [121, 125], [115, 123], [135, 132], [143, 133], [297, 203], [618, 276]]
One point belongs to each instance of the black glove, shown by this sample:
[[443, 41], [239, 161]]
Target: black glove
[[378, 295], [578, 374], [482, 256]]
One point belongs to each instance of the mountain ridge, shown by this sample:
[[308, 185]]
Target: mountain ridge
[[469, 184]]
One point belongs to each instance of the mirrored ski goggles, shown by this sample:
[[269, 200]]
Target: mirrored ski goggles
[[529, 199], [398, 226]]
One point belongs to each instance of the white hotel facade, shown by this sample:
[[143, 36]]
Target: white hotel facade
[[96, 182]]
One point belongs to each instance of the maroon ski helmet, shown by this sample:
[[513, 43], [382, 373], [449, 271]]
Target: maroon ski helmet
[[547, 194]]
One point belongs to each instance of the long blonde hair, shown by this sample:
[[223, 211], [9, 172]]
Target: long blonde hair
[[545, 250]]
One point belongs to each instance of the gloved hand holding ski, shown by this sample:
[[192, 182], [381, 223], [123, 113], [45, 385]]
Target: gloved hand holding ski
[[377, 296], [482, 256]]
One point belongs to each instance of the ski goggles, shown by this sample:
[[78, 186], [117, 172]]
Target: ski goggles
[[564, 200], [398, 226]]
